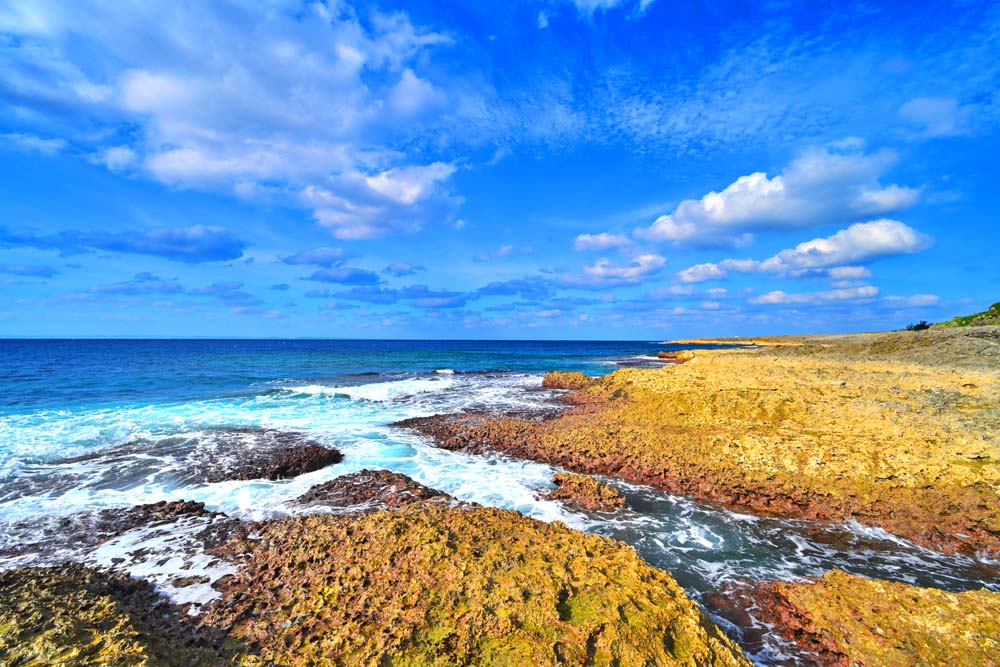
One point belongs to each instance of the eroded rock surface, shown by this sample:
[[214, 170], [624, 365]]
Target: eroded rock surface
[[586, 493], [369, 490], [827, 428], [850, 621], [566, 380], [433, 584], [78, 616]]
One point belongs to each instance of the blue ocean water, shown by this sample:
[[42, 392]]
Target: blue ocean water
[[143, 413]]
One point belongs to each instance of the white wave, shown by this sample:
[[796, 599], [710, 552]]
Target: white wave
[[445, 371], [377, 391]]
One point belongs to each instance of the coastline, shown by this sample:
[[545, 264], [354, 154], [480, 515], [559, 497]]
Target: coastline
[[793, 429]]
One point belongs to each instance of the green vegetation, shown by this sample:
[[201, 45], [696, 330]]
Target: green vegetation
[[989, 317]]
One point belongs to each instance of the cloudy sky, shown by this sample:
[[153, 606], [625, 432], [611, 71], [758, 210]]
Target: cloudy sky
[[630, 169]]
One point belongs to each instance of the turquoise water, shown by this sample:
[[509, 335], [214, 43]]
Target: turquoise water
[[165, 401]]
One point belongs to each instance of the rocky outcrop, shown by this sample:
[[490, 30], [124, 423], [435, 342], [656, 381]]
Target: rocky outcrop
[[566, 380], [209, 456], [830, 428], [433, 584], [585, 493], [282, 463], [73, 616], [850, 621], [676, 357], [369, 490]]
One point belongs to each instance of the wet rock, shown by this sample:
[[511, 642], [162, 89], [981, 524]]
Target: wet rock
[[852, 621], [432, 584], [830, 429], [53, 540], [370, 489], [586, 493], [77, 616], [566, 380], [282, 463], [212, 455]]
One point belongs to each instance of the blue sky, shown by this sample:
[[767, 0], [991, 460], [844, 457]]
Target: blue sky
[[627, 169]]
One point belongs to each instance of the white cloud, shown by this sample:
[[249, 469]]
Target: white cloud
[[701, 272], [938, 116], [605, 273], [860, 293], [818, 188], [543, 20], [116, 158], [914, 301], [31, 142], [311, 101], [833, 256], [602, 241]]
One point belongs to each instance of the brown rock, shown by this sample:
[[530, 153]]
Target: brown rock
[[830, 428], [850, 621], [432, 584], [586, 493], [373, 489], [566, 380]]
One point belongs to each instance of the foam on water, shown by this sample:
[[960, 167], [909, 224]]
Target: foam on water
[[706, 548], [377, 391]]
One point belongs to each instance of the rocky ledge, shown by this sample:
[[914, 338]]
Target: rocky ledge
[[434, 584], [73, 615], [894, 430], [585, 493], [425, 581], [369, 490], [566, 380], [850, 621]]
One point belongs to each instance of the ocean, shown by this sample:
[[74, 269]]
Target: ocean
[[89, 425]]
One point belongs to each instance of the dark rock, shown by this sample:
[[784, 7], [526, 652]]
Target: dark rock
[[376, 489]]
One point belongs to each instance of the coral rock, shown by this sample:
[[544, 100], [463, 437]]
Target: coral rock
[[432, 584], [851, 621], [566, 380], [586, 493]]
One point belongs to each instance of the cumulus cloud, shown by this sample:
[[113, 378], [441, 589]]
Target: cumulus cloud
[[605, 273], [346, 276], [229, 293], [28, 270], [313, 100], [324, 256], [818, 188], [860, 293], [832, 256], [602, 241], [198, 243], [532, 289], [141, 283], [401, 269]]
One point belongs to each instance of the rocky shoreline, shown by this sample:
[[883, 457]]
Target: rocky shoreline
[[404, 575], [897, 431]]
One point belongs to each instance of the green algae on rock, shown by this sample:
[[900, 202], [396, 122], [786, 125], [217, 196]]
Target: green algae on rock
[[586, 493], [77, 616], [434, 584], [851, 621]]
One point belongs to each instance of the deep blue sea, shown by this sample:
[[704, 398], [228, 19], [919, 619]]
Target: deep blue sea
[[147, 411]]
